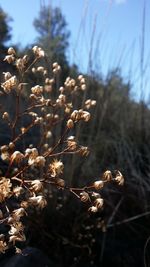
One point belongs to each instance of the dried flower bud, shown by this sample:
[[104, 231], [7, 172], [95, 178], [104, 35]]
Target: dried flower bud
[[119, 178], [75, 115], [55, 65], [23, 130], [16, 228], [32, 154], [3, 246], [40, 161], [15, 238], [47, 81], [18, 213], [7, 75], [57, 70], [48, 134], [93, 209], [86, 116], [5, 188], [33, 114], [82, 81], [38, 120], [84, 151], [4, 148], [36, 186], [90, 103], [34, 70], [56, 117], [24, 204], [70, 124], [41, 53], [98, 185], [11, 51], [9, 84], [84, 196], [5, 116], [56, 167], [37, 90], [71, 144], [35, 49], [71, 138], [83, 87], [62, 97], [95, 195], [31, 151], [18, 190], [10, 59], [11, 145], [99, 203], [17, 156], [25, 59], [18, 250], [38, 51], [39, 201], [45, 72], [20, 64], [5, 156], [40, 69], [61, 89], [80, 77], [51, 81], [107, 176], [93, 102], [5, 153]]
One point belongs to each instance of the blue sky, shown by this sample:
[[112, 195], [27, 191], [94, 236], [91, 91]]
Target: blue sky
[[107, 33]]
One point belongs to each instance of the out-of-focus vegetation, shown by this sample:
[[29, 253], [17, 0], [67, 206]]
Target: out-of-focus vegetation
[[119, 138]]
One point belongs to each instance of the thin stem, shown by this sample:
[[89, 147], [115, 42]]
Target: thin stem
[[34, 61], [57, 144], [16, 116]]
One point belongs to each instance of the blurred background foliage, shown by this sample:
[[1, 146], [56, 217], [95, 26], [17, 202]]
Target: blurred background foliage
[[118, 137]]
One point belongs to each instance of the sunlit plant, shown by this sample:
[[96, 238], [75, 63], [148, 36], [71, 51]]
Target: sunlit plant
[[32, 170]]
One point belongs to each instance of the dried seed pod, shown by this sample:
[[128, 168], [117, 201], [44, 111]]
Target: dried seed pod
[[3, 246], [93, 209], [99, 203], [75, 115], [84, 196], [38, 51], [7, 75], [17, 156], [38, 201], [36, 186], [84, 151], [119, 178], [86, 116], [5, 116], [11, 145], [70, 124], [40, 161], [11, 51], [56, 167], [37, 90], [10, 59], [98, 185], [17, 191], [107, 176], [83, 87]]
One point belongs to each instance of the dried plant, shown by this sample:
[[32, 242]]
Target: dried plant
[[32, 170]]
